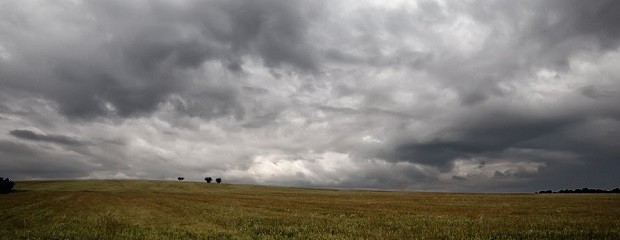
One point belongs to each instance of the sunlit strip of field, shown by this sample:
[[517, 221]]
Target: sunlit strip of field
[[186, 210]]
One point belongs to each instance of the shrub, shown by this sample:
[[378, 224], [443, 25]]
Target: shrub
[[6, 185]]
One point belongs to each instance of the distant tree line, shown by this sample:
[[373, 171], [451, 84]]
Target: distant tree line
[[6, 185], [208, 179], [583, 190]]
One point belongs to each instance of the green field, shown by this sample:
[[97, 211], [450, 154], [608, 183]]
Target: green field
[[135, 209]]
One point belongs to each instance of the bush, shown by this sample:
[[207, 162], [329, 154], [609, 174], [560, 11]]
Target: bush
[[218, 180], [6, 185]]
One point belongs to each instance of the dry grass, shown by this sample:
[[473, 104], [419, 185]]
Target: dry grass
[[175, 210]]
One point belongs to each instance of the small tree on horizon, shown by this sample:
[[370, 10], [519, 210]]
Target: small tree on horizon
[[218, 180], [208, 179], [181, 178]]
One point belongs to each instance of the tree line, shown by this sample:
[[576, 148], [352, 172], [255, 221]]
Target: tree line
[[583, 190], [6, 185], [208, 179]]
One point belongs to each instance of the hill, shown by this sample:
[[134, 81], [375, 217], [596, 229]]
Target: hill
[[139, 209]]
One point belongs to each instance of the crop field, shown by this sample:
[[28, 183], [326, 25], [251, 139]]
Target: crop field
[[140, 209]]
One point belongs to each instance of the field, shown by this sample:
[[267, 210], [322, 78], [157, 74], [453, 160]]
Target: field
[[137, 209]]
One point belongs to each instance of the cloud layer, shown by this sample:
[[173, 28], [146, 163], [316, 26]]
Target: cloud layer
[[416, 95]]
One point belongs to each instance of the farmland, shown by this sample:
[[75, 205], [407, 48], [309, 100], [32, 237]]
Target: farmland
[[141, 209]]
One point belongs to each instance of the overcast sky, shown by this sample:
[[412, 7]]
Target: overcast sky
[[409, 95]]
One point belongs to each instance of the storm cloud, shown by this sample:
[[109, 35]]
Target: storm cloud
[[29, 135], [415, 95]]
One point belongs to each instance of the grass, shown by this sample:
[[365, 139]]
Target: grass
[[137, 209]]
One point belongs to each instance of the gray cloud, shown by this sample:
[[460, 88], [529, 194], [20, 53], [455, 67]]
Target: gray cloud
[[25, 162], [29, 135], [418, 95], [126, 59]]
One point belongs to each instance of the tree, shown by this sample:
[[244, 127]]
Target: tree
[[585, 190], [218, 180], [181, 178], [6, 185], [208, 179]]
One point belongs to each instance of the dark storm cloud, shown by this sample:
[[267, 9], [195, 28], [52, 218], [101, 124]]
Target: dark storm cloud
[[21, 161], [554, 32], [134, 56], [491, 132], [525, 37], [596, 92], [137, 57], [565, 20], [586, 139], [32, 136], [454, 96]]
